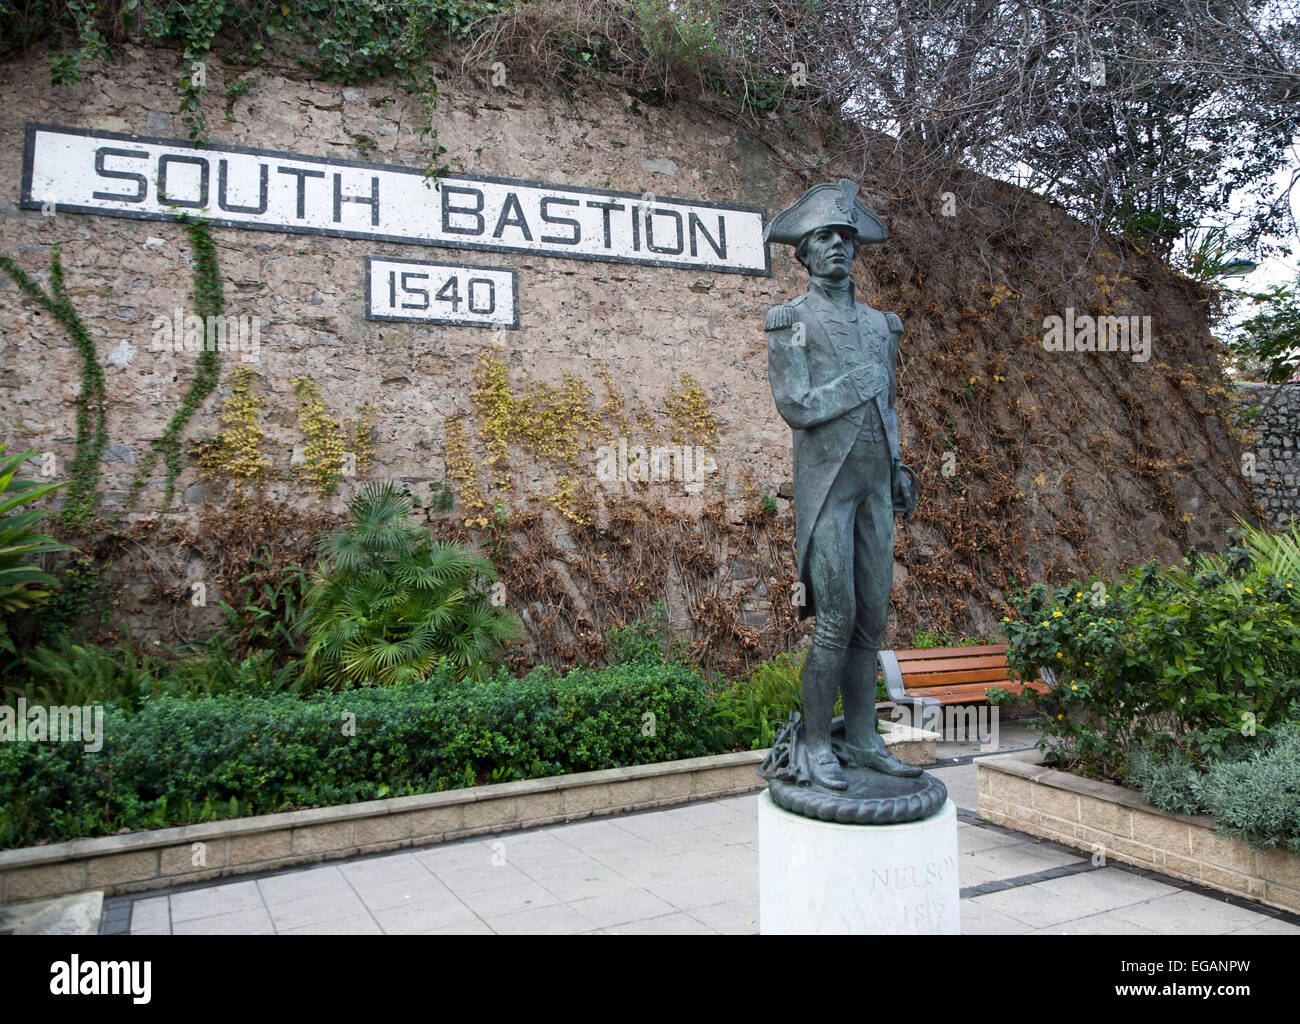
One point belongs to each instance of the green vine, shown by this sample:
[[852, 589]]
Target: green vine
[[209, 302], [82, 494]]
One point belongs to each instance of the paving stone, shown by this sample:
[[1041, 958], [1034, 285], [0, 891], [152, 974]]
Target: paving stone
[[71, 914], [509, 899], [978, 918], [649, 826], [353, 924], [484, 878], [585, 883], [973, 839], [297, 885], [383, 870], [1188, 913], [556, 919], [1266, 926], [1058, 900], [151, 915], [420, 889], [621, 906], [735, 917], [472, 927], [689, 893], [666, 924], [221, 899], [456, 856], [256, 921], [425, 916], [672, 867], [313, 909], [1010, 862], [1110, 923]]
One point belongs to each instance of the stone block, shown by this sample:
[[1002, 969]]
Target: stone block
[[671, 787], [711, 781], [489, 813], [1183, 867], [1285, 896], [1280, 866], [191, 857], [260, 847], [1011, 788], [541, 806], [585, 799], [326, 838], [1106, 816], [105, 872], [46, 880], [436, 822], [635, 793], [1167, 834], [385, 828], [1220, 851], [1059, 803], [1231, 881]]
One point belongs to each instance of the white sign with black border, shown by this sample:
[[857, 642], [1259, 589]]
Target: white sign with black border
[[418, 291], [80, 171]]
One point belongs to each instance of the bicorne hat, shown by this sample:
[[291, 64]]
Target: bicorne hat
[[827, 205]]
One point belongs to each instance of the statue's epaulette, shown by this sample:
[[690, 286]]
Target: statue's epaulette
[[895, 322], [780, 317]]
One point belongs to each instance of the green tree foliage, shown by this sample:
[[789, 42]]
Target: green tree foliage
[[390, 602], [1271, 338]]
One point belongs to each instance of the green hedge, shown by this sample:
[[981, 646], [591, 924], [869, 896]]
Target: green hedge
[[180, 760]]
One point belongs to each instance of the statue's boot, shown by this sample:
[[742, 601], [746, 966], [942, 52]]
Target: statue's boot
[[863, 746], [820, 679]]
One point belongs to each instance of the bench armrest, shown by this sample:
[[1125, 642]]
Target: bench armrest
[[894, 684]]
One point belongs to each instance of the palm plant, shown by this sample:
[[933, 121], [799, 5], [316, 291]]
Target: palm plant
[[22, 585], [389, 603]]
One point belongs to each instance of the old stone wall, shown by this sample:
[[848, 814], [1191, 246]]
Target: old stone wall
[[1035, 463], [1274, 458]]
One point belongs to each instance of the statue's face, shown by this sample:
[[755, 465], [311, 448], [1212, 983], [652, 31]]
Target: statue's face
[[829, 252]]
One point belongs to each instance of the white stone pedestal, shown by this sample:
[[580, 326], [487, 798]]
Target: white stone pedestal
[[823, 878]]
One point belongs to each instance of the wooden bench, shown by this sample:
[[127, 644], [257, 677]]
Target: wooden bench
[[952, 675]]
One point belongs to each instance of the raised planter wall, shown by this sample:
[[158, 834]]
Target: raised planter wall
[[140, 861], [1093, 816]]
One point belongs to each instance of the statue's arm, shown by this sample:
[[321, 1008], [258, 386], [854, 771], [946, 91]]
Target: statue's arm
[[800, 404], [895, 337]]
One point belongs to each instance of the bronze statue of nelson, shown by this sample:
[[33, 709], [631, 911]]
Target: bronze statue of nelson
[[832, 368]]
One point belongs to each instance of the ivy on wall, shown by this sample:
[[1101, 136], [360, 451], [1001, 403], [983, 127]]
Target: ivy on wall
[[209, 303], [82, 494]]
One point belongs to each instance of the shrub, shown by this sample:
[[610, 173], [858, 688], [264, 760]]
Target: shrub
[[750, 710], [1197, 653], [1169, 780], [1252, 790], [22, 585], [645, 642], [1258, 798], [182, 760], [390, 603]]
